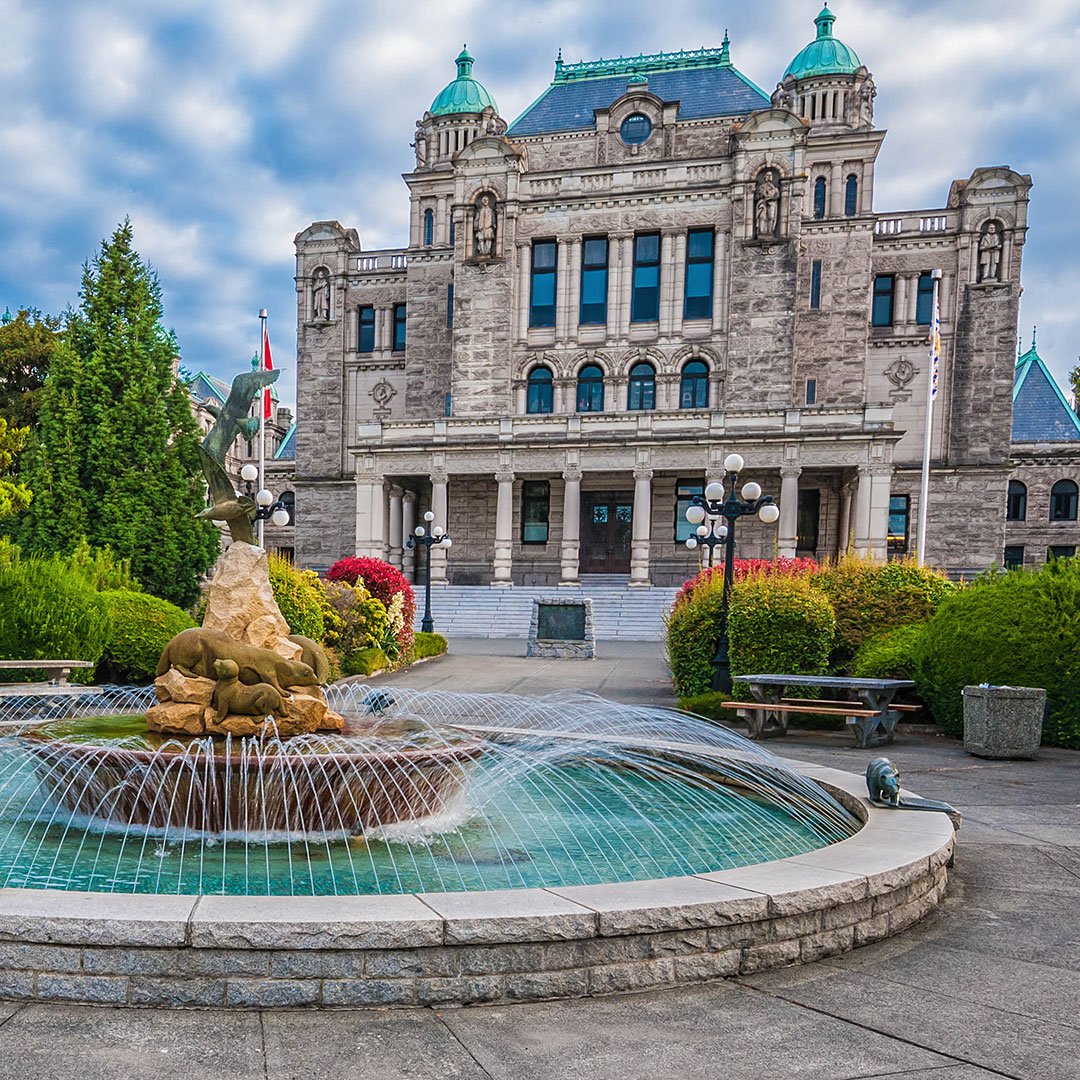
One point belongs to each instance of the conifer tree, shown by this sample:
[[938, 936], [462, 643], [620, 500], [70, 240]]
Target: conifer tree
[[116, 459]]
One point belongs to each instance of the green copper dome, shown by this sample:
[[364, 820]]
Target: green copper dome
[[825, 55], [464, 94]]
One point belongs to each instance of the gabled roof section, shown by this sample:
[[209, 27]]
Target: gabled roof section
[[287, 450], [1040, 411], [704, 82], [205, 386]]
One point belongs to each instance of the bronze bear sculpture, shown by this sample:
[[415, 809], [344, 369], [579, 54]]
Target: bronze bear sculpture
[[193, 653], [883, 782], [240, 699]]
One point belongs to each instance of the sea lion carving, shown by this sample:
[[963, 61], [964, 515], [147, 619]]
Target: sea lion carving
[[883, 782], [314, 655], [233, 696], [193, 653]]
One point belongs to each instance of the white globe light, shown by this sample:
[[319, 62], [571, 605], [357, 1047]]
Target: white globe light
[[722, 532], [714, 492], [249, 474], [264, 498], [428, 515], [280, 518], [447, 542], [703, 530], [733, 463], [769, 513], [751, 492], [420, 530], [695, 514], [438, 530], [691, 542]]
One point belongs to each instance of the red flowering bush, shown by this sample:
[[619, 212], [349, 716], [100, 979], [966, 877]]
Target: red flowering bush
[[744, 568], [384, 582]]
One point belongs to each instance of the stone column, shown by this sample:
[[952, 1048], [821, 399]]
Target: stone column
[[571, 528], [370, 516], [836, 191], [844, 527], [562, 289], [442, 222], [641, 527], [394, 522], [668, 272], [861, 524], [900, 307], [439, 482], [626, 284], [524, 252], [880, 491], [788, 532], [408, 523], [678, 285], [504, 530], [574, 301]]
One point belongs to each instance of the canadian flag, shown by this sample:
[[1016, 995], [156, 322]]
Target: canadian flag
[[268, 365]]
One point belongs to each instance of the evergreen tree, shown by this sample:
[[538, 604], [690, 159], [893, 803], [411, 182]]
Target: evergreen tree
[[13, 495], [117, 459]]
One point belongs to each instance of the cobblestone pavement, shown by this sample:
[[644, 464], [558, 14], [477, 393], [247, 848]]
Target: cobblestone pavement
[[988, 986]]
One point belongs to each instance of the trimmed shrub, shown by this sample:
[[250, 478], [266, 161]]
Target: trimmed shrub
[[1015, 629], [142, 626], [872, 597], [300, 597], [384, 582], [890, 656], [360, 619], [745, 568], [364, 662], [708, 706], [48, 613], [776, 623], [425, 645]]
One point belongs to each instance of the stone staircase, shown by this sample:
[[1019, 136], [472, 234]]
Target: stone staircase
[[487, 611]]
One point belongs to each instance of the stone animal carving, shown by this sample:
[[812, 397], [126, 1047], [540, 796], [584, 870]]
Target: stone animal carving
[[193, 652], [233, 696], [883, 782], [314, 655]]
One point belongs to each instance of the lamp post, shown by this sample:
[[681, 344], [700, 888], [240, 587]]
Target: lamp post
[[267, 508], [711, 508], [437, 537]]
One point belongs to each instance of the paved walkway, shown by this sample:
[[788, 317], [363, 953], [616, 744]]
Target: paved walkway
[[988, 986]]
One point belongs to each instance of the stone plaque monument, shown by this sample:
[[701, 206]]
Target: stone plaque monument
[[562, 628]]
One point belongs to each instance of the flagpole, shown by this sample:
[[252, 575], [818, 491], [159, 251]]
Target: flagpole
[[262, 413], [933, 361]]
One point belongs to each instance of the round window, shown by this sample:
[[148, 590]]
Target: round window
[[635, 129]]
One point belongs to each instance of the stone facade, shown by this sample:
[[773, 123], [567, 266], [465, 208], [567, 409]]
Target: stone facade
[[419, 390]]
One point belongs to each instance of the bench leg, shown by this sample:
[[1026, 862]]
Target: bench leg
[[872, 731]]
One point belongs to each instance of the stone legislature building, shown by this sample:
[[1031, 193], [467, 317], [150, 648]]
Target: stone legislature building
[[655, 265]]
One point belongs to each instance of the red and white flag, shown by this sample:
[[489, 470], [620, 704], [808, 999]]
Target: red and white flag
[[268, 365]]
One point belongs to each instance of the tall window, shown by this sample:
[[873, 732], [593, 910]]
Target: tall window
[[815, 284], [924, 300], [641, 392], [429, 227], [685, 490], [819, 197], [365, 338], [645, 302], [881, 313], [694, 388], [1063, 499], [450, 305], [594, 280], [1061, 551], [899, 519], [1016, 505], [540, 391], [808, 521], [399, 328], [699, 274], [590, 389], [453, 230], [1014, 557], [535, 509], [811, 391], [288, 501], [542, 296], [851, 196]]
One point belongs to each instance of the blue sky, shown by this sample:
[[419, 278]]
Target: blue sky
[[223, 127]]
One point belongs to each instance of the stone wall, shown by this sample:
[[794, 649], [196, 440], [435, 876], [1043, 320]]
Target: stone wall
[[1039, 468]]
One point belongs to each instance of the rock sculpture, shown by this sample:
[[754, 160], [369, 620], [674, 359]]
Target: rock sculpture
[[320, 294], [767, 205], [990, 254], [314, 655], [484, 226], [233, 696]]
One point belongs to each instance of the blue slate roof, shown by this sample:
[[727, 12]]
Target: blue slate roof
[[287, 449], [1040, 411], [205, 386], [704, 83]]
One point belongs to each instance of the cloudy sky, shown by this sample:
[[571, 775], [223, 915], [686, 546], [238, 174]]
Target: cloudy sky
[[223, 127]]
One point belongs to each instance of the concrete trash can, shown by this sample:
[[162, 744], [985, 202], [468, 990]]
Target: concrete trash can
[[1003, 721]]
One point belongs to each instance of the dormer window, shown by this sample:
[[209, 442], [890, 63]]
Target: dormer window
[[635, 129]]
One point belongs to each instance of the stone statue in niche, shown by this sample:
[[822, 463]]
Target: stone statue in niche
[[485, 223], [767, 205], [990, 253], [320, 294], [421, 146]]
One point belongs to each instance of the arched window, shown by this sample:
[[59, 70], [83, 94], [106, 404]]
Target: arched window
[[1063, 500], [590, 389], [819, 197], [429, 227], [851, 196], [540, 395], [288, 500], [1016, 506], [694, 389], [641, 392]]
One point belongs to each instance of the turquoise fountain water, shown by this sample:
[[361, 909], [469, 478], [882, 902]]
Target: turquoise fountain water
[[501, 792]]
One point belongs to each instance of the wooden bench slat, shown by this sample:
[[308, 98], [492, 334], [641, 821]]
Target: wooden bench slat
[[836, 701], [759, 706]]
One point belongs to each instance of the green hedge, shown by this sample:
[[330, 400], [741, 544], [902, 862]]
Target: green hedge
[[300, 598], [49, 613], [1015, 629], [891, 656], [425, 645], [142, 625], [709, 706], [364, 661]]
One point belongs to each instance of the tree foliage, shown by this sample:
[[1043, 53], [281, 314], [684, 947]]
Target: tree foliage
[[27, 344], [14, 496], [116, 460]]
